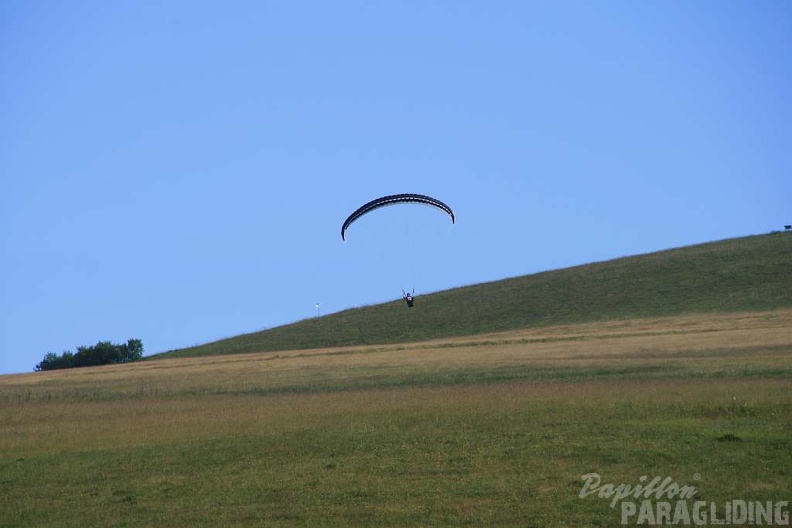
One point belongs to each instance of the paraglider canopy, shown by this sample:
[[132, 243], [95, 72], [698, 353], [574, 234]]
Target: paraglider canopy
[[394, 199]]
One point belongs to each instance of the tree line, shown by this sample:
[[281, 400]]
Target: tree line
[[102, 353]]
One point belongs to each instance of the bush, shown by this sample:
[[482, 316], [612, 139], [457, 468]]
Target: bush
[[102, 353]]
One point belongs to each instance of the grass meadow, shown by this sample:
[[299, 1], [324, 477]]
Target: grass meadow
[[488, 430]]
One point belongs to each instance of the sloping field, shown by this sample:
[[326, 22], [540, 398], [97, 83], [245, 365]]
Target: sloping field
[[495, 429], [636, 347], [741, 274]]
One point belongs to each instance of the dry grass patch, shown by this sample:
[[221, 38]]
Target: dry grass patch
[[696, 344]]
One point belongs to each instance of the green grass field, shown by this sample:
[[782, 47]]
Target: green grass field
[[485, 428]]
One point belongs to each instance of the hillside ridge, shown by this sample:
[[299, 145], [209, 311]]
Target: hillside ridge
[[752, 273]]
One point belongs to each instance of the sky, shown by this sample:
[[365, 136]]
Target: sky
[[178, 171]]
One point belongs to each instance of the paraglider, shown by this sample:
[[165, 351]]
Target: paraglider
[[394, 199]]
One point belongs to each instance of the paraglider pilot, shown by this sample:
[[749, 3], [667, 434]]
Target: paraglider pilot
[[408, 297]]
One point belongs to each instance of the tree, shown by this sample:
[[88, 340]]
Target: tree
[[134, 350], [53, 361], [102, 353]]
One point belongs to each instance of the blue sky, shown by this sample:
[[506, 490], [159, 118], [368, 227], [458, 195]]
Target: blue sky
[[178, 171]]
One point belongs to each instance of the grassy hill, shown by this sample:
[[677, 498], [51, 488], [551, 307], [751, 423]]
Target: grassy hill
[[485, 431], [742, 274]]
